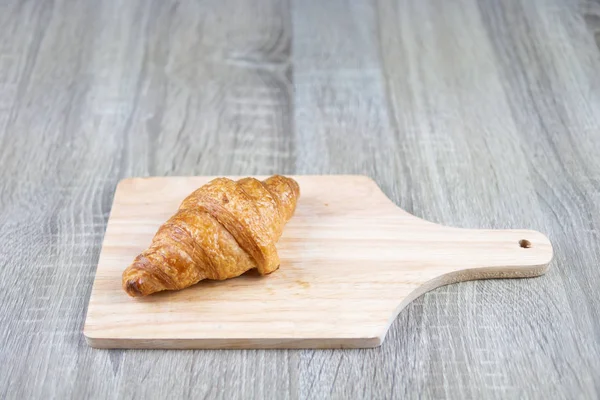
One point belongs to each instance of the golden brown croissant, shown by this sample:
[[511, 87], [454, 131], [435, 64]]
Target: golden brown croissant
[[220, 231]]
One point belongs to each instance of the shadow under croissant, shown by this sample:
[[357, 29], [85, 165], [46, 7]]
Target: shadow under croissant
[[205, 284]]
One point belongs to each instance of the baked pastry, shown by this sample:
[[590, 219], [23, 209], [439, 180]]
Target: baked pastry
[[220, 231]]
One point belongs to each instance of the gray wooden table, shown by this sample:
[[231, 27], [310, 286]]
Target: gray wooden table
[[468, 113]]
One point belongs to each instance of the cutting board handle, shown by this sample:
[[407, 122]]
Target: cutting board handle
[[480, 254], [470, 254]]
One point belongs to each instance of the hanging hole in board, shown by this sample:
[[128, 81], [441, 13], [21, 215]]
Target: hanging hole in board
[[524, 243]]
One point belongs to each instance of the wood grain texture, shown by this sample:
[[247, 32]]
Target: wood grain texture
[[474, 113], [351, 260]]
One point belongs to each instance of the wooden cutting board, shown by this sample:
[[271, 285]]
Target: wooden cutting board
[[350, 261]]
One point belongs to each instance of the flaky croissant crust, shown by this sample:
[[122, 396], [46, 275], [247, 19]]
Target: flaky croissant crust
[[220, 231]]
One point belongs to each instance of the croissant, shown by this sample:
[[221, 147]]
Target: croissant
[[220, 231]]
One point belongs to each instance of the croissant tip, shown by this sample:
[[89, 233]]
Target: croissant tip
[[295, 186], [133, 287]]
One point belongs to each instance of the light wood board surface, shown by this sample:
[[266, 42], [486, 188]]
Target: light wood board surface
[[467, 113], [350, 261]]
